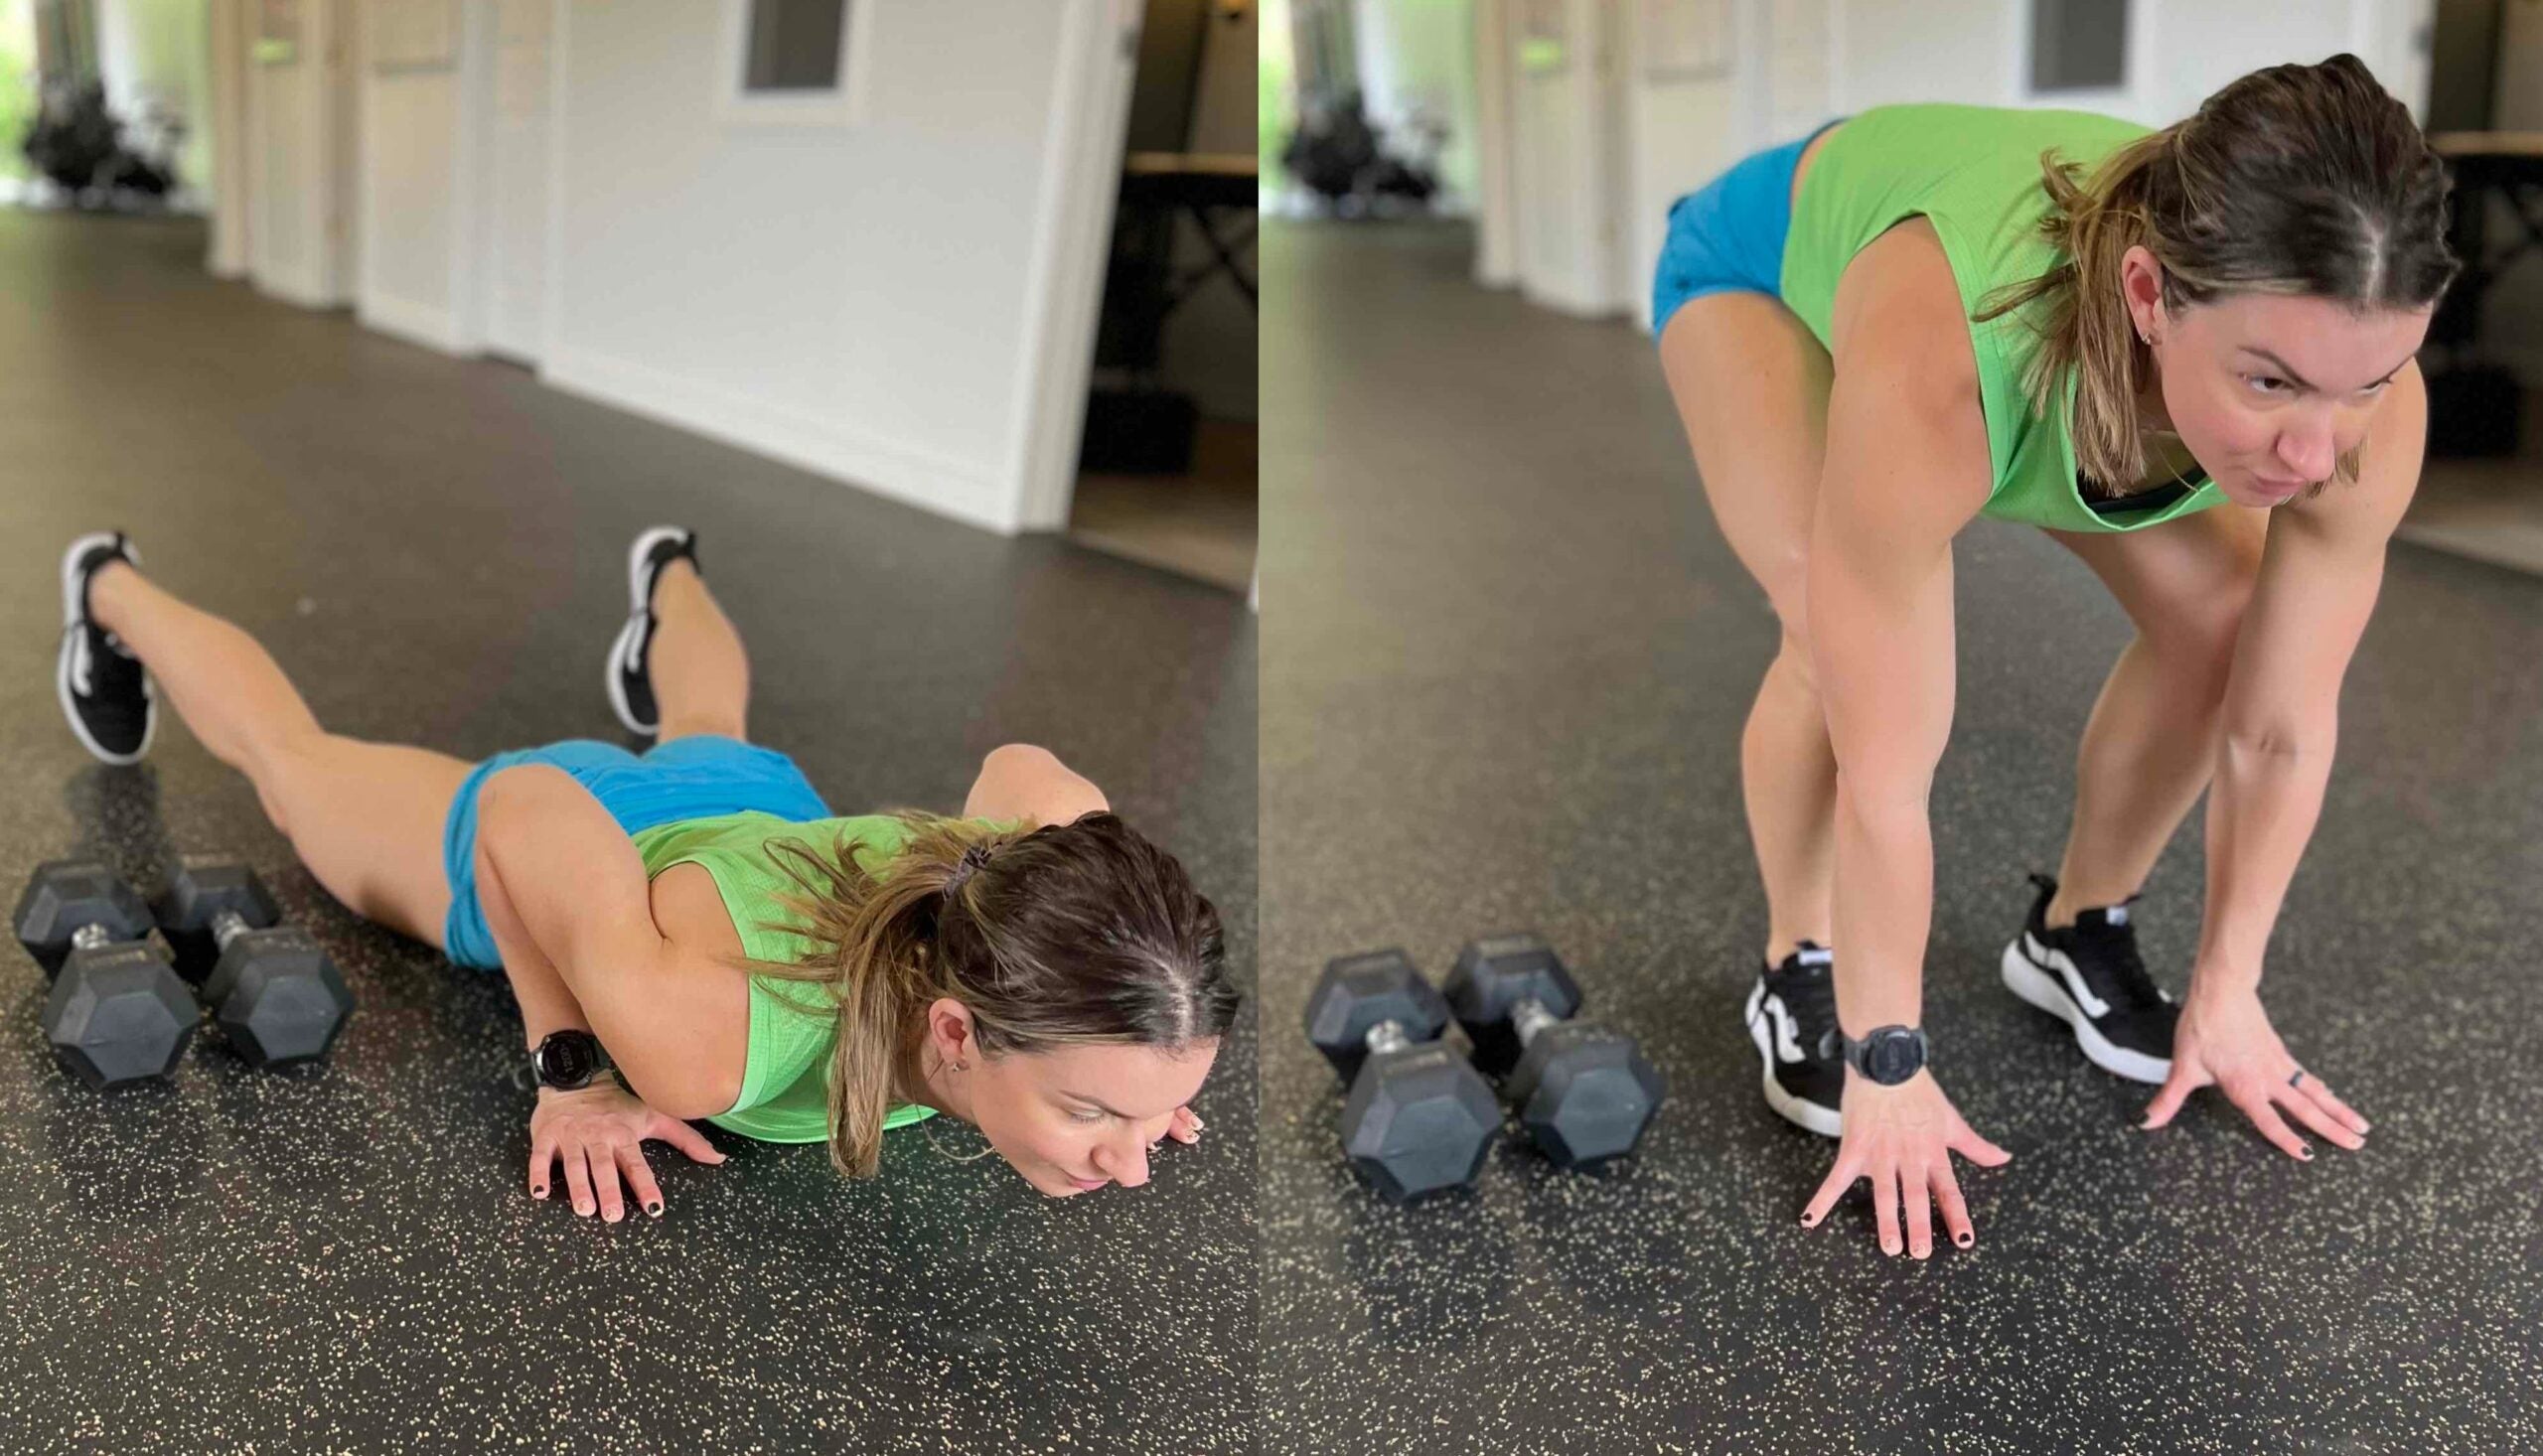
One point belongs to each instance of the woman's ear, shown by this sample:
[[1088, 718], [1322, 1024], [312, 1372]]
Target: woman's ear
[[949, 1030]]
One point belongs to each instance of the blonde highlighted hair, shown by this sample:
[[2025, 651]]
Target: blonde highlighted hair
[[2309, 180], [1064, 934]]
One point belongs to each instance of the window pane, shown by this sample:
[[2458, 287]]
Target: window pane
[[793, 45]]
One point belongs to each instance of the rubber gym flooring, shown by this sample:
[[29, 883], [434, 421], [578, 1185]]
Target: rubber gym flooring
[[1506, 660], [434, 549]]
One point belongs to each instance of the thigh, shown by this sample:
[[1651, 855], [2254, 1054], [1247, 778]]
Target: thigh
[[368, 819], [1751, 386], [2184, 583]]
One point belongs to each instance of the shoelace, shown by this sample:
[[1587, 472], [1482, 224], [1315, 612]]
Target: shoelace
[[2114, 951], [1809, 994]]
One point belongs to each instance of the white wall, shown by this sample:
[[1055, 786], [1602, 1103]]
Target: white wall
[[160, 51], [1418, 57], [851, 299], [1496, 220], [890, 296]]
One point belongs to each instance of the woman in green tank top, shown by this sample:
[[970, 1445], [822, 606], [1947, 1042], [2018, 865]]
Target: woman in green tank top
[[2187, 353], [1035, 967]]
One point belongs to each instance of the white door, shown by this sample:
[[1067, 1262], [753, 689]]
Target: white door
[[517, 181], [1570, 160]]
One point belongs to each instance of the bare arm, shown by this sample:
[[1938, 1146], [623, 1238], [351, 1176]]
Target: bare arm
[[2320, 575], [1906, 467], [575, 905], [1018, 781]]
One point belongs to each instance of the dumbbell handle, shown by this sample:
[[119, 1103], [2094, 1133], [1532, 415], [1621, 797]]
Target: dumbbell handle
[[1529, 1017], [90, 936], [228, 925], [1387, 1035]]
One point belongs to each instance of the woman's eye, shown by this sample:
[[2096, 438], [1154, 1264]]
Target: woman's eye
[[2259, 379], [1086, 1114]]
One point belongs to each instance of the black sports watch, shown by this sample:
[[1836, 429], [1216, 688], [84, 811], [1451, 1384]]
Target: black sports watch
[[1887, 1054], [568, 1059]]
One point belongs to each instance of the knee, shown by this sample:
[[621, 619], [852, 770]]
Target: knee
[[1793, 652]]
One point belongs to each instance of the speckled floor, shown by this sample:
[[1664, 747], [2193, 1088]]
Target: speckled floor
[[1506, 657], [346, 1262]]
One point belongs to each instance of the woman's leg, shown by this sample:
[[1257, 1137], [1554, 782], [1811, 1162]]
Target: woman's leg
[[1752, 384], [365, 817], [2150, 748], [700, 676]]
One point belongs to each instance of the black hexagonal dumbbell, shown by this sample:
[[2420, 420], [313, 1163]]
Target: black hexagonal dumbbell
[[275, 994], [1585, 1093], [117, 1013], [1418, 1119]]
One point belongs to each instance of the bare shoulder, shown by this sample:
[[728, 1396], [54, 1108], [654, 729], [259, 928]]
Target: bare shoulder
[[699, 940], [1907, 449], [1898, 308]]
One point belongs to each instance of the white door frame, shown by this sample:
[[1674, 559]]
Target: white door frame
[[1081, 182]]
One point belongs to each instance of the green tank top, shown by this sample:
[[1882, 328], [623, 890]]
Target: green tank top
[[785, 1094], [1973, 172]]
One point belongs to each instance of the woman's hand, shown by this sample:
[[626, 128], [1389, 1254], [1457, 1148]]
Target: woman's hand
[[1183, 1127], [598, 1131], [1902, 1138], [2224, 1040]]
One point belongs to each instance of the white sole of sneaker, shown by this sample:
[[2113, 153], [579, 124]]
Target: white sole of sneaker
[[639, 591], [2041, 988], [1808, 1116], [62, 663]]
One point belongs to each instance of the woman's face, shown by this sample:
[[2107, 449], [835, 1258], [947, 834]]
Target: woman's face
[[2267, 389], [1074, 1118]]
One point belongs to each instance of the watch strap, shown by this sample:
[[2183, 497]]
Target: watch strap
[[1858, 1054]]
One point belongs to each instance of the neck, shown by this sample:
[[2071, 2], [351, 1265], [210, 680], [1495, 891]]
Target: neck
[[2151, 414], [938, 1085]]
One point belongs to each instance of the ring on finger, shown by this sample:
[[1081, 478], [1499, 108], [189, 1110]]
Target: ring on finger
[[2298, 1079]]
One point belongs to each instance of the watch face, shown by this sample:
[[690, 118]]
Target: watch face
[[1893, 1057], [565, 1061]]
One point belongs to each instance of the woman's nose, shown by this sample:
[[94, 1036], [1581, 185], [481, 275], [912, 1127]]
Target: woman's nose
[[1124, 1159], [2306, 453]]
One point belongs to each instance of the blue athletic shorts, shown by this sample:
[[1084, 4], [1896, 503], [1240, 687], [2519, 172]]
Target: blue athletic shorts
[[692, 777], [1731, 234]]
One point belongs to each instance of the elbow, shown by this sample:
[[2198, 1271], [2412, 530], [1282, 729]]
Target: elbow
[[1014, 757]]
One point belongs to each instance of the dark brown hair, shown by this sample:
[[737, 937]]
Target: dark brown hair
[[2301, 179], [1065, 934]]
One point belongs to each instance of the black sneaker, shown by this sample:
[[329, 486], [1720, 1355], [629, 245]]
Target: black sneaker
[[630, 680], [2091, 975], [1792, 1017], [110, 699]]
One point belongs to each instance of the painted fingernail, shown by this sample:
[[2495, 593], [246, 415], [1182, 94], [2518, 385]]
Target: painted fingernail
[[1964, 1239], [582, 1208], [1808, 1222], [539, 1192], [2305, 1151], [655, 1208]]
